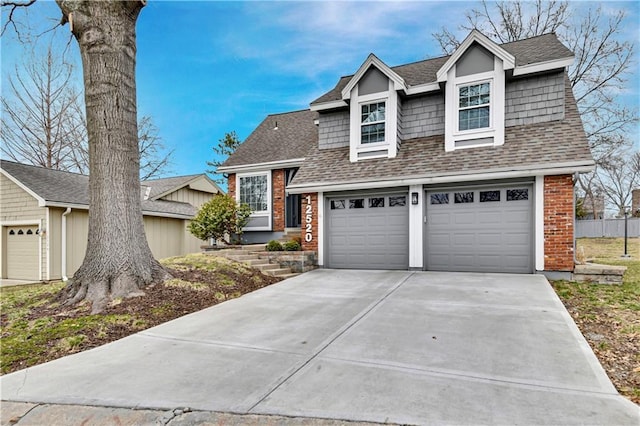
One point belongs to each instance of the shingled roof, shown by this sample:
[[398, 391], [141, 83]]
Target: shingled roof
[[58, 187], [560, 143], [538, 49], [280, 137]]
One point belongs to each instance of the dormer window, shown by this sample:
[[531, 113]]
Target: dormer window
[[372, 123], [474, 106]]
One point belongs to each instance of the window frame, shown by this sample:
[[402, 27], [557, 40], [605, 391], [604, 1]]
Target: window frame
[[363, 123], [485, 136], [459, 108], [258, 214]]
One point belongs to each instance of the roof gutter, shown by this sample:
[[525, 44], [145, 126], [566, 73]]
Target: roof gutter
[[431, 180], [294, 162]]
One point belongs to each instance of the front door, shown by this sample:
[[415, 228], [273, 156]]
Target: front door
[[293, 209]]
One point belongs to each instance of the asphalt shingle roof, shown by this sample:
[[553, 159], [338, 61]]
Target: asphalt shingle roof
[[162, 185], [529, 147], [295, 136], [56, 186], [542, 48]]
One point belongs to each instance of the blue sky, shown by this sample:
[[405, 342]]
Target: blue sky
[[206, 68]]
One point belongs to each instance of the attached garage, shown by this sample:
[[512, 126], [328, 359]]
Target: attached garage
[[22, 260], [368, 231], [481, 229]]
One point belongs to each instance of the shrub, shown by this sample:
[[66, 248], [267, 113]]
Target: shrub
[[220, 217], [292, 245], [298, 240], [273, 245]]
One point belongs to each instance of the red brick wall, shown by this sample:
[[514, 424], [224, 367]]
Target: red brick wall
[[313, 221], [278, 198], [558, 223], [231, 183]]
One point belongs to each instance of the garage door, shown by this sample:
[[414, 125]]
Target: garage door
[[22, 252], [486, 229], [368, 231]]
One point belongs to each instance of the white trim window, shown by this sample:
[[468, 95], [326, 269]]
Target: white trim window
[[372, 122], [253, 192], [474, 106], [254, 189]]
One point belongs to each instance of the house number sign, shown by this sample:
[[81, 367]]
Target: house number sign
[[308, 218]]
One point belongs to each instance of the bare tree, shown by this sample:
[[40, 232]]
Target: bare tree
[[619, 176], [153, 161], [43, 123], [601, 68]]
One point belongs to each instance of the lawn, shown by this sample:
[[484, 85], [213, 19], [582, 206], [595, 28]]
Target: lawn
[[609, 315], [35, 328]]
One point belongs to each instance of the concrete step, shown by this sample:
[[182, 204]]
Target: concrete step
[[285, 276], [266, 267], [255, 262], [278, 272], [243, 257]]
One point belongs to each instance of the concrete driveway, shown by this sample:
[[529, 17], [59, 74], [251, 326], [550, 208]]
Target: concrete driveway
[[382, 346]]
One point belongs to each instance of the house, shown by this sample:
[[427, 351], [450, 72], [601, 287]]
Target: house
[[460, 163], [591, 202], [44, 218], [635, 202]]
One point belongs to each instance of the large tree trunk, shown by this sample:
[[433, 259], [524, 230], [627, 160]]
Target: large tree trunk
[[118, 262]]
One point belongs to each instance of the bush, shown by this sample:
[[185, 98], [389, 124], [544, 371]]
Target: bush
[[220, 217], [292, 245], [298, 240], [273, 245]]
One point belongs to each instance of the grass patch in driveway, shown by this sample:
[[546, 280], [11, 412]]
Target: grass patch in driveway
[[609, 315], [35, 328]]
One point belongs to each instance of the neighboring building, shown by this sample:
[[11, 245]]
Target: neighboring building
[[459, 163], [44, 218], [593, 207], [635, 203]]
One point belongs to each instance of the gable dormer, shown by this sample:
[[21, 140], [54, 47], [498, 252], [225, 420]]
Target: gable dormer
[[373, 110], [474, 79]]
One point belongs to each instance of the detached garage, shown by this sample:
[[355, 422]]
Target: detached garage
[[44, 219]]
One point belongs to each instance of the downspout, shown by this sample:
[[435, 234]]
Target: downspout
[[63, 270], [575, 181]]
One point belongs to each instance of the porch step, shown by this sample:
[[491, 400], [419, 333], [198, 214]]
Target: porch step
[[265, 267]]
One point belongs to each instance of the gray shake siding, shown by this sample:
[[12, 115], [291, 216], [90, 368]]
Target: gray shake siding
[[423, 116], [534, 100], [527, 101], [333, 130]]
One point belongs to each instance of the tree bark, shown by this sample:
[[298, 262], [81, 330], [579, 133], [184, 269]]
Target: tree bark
[[118, 262]]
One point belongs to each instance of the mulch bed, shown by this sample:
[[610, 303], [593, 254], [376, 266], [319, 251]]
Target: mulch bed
[[618, 352]]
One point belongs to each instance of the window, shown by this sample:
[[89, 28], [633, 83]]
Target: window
[[517, 194], [474, 103], [439, 198], [376, 202], [463, 197], [253, 191], [372, 122], [337, 204], [488, 196], [356, 204], [398, 201]]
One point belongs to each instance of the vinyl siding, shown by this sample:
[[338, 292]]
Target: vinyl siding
[[18, 206]]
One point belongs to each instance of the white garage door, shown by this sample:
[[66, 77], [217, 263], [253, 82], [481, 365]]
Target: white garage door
[[369, 231], [487, 229], [22, 252]]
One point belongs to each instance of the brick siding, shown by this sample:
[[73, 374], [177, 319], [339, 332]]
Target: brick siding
[[558, 223], [313, 244], [231, 183], [277, 182]]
